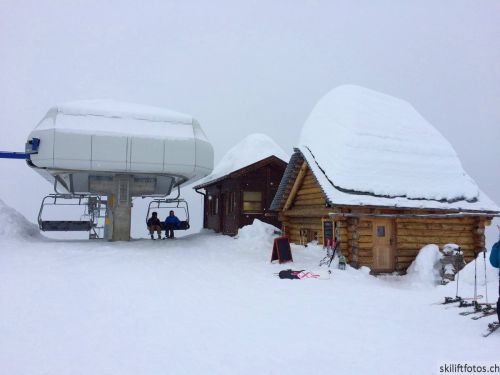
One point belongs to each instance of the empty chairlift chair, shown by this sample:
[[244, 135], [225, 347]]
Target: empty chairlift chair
[[93, 210]]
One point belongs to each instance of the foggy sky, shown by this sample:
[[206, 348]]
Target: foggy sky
[[254, 66]]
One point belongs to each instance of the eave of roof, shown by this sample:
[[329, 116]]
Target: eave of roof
[[247, 169], [345, 198]]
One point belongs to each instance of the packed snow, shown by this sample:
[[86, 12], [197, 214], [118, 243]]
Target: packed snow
[[249, 150], [369, 142], [426, 266], [110, 117], [212, 304], [115, 109]]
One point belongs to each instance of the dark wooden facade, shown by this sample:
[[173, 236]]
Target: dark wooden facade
[[238, 198], [382, 238]]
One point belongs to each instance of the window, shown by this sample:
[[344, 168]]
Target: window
[[252, 201], [230, 202], [380, 231], [213, 205]]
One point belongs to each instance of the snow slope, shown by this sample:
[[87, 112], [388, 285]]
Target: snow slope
[[13, 225], [211, 304], [370, 142], [249, 150]]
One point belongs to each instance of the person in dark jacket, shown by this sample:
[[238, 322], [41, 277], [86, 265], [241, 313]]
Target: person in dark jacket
[[495, 262], [171, 222], [154, 225]]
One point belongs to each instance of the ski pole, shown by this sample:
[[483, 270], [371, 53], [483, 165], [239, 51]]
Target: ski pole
[[475, 275], [485, 277], [458, 274]]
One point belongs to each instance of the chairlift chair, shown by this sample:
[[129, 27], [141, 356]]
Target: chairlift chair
[[88, 220], [170, 204]]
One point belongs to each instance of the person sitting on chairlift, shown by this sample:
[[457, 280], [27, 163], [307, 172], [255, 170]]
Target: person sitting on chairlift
[[171, 222], [154, 225]]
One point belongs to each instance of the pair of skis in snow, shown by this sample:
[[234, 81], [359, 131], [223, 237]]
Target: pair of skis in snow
[[480, 308]]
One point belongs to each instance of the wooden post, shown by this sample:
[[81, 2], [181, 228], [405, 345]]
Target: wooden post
[[479, 238], [296, 185], [352, 226]]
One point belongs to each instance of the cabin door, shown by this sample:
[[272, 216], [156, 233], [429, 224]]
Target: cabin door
[[384, 246]]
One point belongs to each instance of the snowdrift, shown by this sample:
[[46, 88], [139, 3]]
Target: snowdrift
[[13, 225], [426, 267], [258, 230], [257, 237]]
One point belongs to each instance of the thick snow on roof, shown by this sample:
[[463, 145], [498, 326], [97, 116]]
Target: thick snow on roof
[[120, 118], [338, 197], [368, 142], [116, 109], [249, 150]]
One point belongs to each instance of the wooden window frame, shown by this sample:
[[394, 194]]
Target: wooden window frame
[[213, 205], [253, 211], [231, 202]]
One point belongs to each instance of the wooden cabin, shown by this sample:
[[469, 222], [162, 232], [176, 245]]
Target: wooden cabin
[[385, 239], [383, 185], [236, 199]]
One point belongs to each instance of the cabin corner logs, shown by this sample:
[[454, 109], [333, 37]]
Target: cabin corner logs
[[384, 244]]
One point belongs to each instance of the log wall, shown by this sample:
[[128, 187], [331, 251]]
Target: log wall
[[413, 234]]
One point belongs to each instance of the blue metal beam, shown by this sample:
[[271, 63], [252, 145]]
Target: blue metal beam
[[13, 155]]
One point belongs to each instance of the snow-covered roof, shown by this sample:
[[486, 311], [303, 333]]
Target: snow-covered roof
[[120, 118], [368, 148], [116, 109], [482, 203], [249, 150]]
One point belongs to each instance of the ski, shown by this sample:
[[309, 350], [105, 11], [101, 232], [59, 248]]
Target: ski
[[478, 309], [485, 314], [468, 303], [448, 300], [492, 327], [465, 313]]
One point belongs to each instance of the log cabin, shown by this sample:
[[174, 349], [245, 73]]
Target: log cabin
[[243, 185], [372, 171]]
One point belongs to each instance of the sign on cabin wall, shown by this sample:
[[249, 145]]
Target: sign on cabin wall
[[328, 232]]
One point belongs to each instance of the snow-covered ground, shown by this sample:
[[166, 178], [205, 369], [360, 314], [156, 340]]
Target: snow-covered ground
[[211, 304]]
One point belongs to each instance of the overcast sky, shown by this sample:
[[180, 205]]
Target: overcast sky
[[253, 66]]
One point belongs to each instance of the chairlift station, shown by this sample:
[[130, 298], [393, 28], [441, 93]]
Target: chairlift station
[[92, 149]]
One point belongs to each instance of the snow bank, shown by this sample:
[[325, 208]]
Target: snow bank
[[251, 149], [258, 230], [370, 142], [13, 225], [425, 269], [257, 239]]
